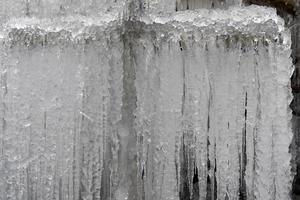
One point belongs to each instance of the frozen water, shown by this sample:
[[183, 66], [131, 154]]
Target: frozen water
[[186, 105], [51, 8]]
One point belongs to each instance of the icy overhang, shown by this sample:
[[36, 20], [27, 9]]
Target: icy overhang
[[34, 31], [252, 21]]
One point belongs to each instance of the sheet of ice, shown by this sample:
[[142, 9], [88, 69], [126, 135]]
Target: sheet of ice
[[192, 105], [59, 101], [216, 112]]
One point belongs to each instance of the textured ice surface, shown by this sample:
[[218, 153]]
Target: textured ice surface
[[195, 4], [70, 27], [164, 6], [246, 20], [52, 8], [192, 105]]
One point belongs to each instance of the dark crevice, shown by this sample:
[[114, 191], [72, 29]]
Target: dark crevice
[[195, 184], [182, 45], [195, 177], [208, 184], [183, 90], [208, 122], [243, 157], [215, 182], [212, 188], [226, 196], [207, 154], [208, 188], [184, 193], [209, 107]]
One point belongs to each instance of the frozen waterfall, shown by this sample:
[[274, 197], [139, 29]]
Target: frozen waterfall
[[104, 103]]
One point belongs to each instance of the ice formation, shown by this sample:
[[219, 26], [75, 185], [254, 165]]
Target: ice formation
[[179, 106]]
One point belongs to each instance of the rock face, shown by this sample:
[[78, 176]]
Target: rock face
[[115, 100], [288, 6]]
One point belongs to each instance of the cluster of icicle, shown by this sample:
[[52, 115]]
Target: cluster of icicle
[[178, 106]]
